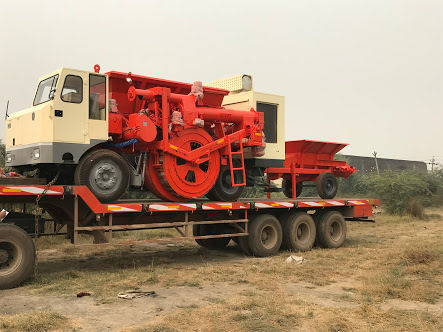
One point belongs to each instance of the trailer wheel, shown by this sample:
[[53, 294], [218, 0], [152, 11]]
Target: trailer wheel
[[298, 231], [331, 230], [265, 235], [105, 172], [243, 244], [287, 188], [327, 185], [17, 256], [213, 244], [223, 189]]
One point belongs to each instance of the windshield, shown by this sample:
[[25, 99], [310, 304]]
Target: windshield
[[44, 90]]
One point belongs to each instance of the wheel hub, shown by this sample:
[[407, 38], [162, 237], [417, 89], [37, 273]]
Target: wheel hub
[[9, 257], [189, 179], [105, 175]]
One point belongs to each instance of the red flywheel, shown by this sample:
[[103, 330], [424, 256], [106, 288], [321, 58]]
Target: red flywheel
[[189, 179]]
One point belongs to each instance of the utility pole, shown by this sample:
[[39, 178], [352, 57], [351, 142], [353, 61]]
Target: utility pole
[[432, 163], [376, 162]]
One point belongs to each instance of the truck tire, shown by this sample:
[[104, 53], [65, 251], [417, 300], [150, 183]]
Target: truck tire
[[17, 256], [213, 244], [298, 231], [331, 230], [287, 188], [106, 174], [327, 185], [223, 189], [265, 235]]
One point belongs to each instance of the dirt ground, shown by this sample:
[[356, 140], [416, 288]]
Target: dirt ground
[[387, 276]]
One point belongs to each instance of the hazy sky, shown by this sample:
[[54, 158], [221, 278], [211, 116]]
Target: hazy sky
[[369, 73]]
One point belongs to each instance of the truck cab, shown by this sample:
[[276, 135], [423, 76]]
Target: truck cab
[[68, 116]]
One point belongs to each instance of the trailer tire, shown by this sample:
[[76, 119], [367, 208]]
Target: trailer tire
[[287, 188], [112, 168], [17, 256], [265, 235], [243, 244], [327, 185], [331, 229], [223, 190], [213, 244], [298, 231]]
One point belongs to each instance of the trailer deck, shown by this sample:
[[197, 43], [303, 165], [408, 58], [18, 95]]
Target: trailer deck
[[259, 226]]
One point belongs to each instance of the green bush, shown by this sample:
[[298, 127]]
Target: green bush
[[400, 192]]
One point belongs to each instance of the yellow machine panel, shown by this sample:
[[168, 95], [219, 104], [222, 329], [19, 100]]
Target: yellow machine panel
[[242, 97]]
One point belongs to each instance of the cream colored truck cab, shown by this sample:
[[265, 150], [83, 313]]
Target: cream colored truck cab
[[68, 116], [243, 97]]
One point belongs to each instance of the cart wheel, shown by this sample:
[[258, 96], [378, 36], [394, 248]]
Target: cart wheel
[[223, 189], [327, 185], [265, 235], [213, 244], [298, 231], [287, 188], [105, 172], [17, 256], [331, 230]]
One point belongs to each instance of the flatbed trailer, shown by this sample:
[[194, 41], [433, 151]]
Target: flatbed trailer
[[261, 227]]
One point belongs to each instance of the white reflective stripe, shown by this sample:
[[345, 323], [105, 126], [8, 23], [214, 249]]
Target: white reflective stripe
[[159, 207], [34, 190], [190, 205], [312, 203], [206, 207], [120, 208], [357, 202], [335, 203], [288, 204], [262, 205]]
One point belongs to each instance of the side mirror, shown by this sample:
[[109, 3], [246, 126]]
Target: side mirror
[[51, 94]]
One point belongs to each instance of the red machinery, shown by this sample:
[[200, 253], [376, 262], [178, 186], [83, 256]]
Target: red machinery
[[185, 134], [307, 160]]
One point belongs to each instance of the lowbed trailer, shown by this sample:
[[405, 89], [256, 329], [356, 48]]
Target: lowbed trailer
[[261, 227]]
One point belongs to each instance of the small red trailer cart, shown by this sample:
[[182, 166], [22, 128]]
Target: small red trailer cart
[[308, 160]]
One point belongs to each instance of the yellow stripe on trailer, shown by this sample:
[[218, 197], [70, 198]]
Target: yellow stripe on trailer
[[11, 190]]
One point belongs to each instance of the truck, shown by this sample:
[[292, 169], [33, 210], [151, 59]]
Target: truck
[[194, 146], [178, 141]]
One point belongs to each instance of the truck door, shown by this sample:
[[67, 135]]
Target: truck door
[[98, 108], [69, 110]]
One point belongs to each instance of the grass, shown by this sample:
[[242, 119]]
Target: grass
[[397, 258], [38, 321]]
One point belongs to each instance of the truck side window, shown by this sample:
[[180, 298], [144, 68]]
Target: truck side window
[[72, 89], [270, 128], [97, 97]]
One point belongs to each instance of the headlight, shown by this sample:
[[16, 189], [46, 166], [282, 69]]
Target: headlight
[[36, 153], [8, 158]]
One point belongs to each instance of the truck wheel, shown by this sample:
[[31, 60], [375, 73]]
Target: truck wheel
[[327, 185], [331, 230], [287, 188], [265, 235], [298, 231], [213, 244], [105, 172], [17, 256], [223, 189]]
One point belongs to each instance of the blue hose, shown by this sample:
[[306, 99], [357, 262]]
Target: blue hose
[[132, 141]]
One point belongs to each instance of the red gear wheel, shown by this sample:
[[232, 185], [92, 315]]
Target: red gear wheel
[[188, 179]]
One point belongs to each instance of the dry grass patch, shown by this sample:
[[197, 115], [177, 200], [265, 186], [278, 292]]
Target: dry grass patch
[[39, 321]]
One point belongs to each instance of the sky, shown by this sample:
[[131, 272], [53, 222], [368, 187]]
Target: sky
[[368, 73]]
